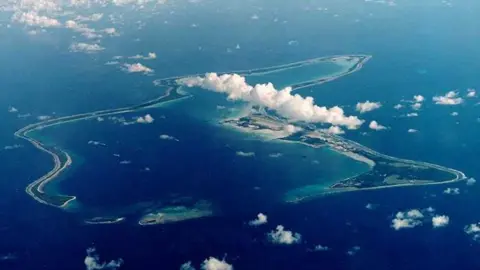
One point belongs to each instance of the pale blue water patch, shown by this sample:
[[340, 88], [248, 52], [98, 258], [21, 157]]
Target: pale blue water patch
[[289, 76], [208, 105]]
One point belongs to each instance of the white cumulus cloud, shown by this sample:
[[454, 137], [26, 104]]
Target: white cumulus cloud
[[281, 236], [368, 106], [416, 106], [473, 230], [213, 263], [260, 220], [147, 119], [412, 130], [440, 221], [335, 130], [450, 98], [92, 261], [376, 126], [406, 220], [136, 68], [418, 98], [471, 93], [293, 107], [32, 18]]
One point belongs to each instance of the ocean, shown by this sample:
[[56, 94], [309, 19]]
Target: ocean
[[422, 48]]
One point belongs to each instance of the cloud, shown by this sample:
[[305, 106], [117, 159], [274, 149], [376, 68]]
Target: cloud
[[352, 251], [12, 109], [321, 248], [149, 56], [96, 143], [86, 48], [281, 236], [43, 117], [473, 230], [418, 98], [416, 106], [215, 264], [370, 206], [147, 119], [245, 154], [398, 106], [110, 31], [454, 114], [11, 147], [32, 18], [471, 93], [471, 181], [335, 130], [293, 107], [376, 126], [137, 67], [412, 130], [92, 261], [368, 106], [290, 129], [440, 221], [275, 155], [450, 98], [452, 191], [414, 114], [94, 17], [168, 138], [407, 220], [260, 220], [187, 266]]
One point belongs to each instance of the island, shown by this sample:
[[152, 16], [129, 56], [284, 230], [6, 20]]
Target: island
[[384, 171]]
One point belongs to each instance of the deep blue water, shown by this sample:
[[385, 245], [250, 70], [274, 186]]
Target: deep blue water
[[417, 47]]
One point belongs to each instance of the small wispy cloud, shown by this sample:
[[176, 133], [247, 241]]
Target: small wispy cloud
[[471, 181], [452, 191], [168, 138], [367, 106], [86, 48], [245, 154], [92, 261], [149, 56]]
